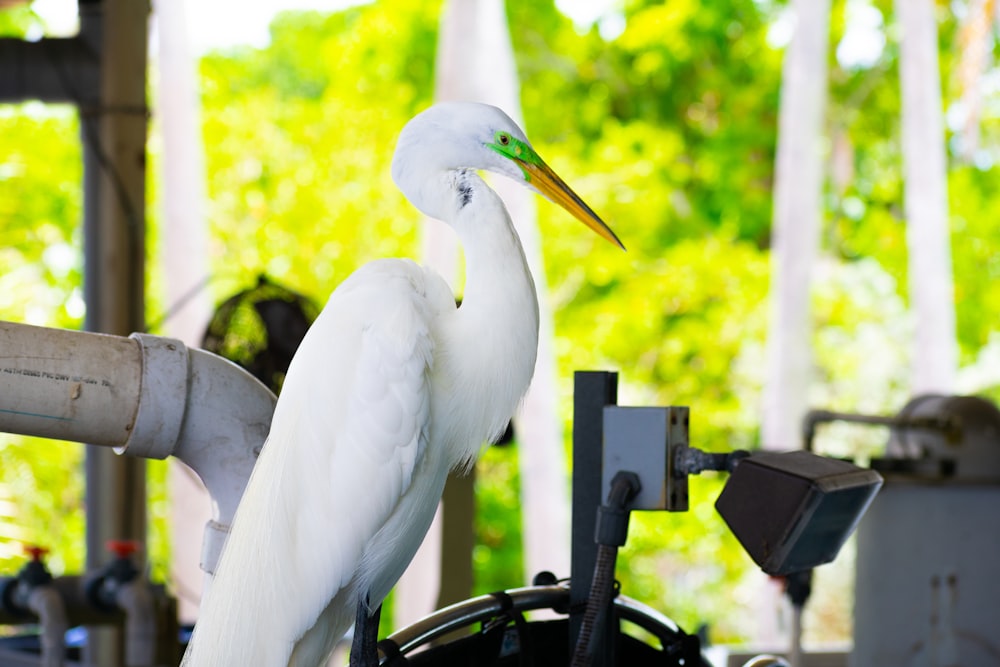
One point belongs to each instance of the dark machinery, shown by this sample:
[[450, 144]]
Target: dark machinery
[[927, 590], [791, 511]]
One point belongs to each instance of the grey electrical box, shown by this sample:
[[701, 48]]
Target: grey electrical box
[[644, 440]]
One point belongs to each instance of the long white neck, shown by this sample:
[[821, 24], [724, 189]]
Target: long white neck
[[494, 334]]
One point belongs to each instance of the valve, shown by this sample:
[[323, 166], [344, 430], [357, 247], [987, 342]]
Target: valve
[[34, 572], [122, 568], [102, 588], [119, 587], [14, 591]]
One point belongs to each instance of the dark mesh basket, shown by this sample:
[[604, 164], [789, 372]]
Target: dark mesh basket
[[260, 329]]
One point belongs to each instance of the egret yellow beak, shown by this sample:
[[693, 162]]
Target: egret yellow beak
[[546, 181], [540, 176]]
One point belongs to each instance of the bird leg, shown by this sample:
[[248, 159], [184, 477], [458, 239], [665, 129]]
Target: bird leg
[[364, 648]]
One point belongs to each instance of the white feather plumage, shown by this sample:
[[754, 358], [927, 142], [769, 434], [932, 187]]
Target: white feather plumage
[[391, 388]]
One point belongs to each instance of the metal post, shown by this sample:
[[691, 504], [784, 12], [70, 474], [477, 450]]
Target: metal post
[[592, 390], [458, 509], [114, 133]]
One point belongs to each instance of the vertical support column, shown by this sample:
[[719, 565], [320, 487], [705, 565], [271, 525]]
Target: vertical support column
[[458, 538], [798, 212], [114, 268], [925, 171], [475, 61], [592, 390], [184, 255]]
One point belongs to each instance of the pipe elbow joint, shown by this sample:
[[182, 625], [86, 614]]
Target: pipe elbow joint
[[208, 412]]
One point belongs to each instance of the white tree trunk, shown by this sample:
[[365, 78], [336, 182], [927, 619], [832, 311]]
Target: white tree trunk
[[976, 38], [545, 497], [798, 189], [186, 266], [796, 226], [476, 62], [926, 201]]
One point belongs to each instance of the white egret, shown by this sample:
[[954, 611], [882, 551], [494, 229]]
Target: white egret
[[392, 387]]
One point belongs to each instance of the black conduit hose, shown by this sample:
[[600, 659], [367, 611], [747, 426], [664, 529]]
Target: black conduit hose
[[610, 533]]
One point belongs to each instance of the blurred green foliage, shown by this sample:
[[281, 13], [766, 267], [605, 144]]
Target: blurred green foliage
[[668, 129], [19, 21]]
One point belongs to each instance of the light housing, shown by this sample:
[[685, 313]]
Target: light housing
[[793, 511]]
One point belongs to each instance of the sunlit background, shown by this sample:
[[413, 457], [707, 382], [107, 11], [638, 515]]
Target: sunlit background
[[663, 116]]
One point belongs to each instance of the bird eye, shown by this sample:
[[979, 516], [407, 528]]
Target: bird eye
[[503, 138]]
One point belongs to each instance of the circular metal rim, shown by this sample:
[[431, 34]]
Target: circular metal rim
[[529, 598]]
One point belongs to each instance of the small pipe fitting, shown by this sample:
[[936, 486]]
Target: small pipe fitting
[[46, 603], [32, 593], [135, 598]]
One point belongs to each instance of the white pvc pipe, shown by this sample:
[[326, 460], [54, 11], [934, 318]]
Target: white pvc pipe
[[46, 603], [68, 385], [795, 643], [226, 422], [209, 413], [136, 599], [147, 396]]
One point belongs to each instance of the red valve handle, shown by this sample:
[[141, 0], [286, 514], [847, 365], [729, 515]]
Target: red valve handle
[[122, 548], [36, 552]]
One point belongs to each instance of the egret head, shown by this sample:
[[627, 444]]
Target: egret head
[[470, 135]]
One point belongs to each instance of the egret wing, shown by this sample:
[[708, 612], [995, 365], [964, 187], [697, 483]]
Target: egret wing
[[348, 432]]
